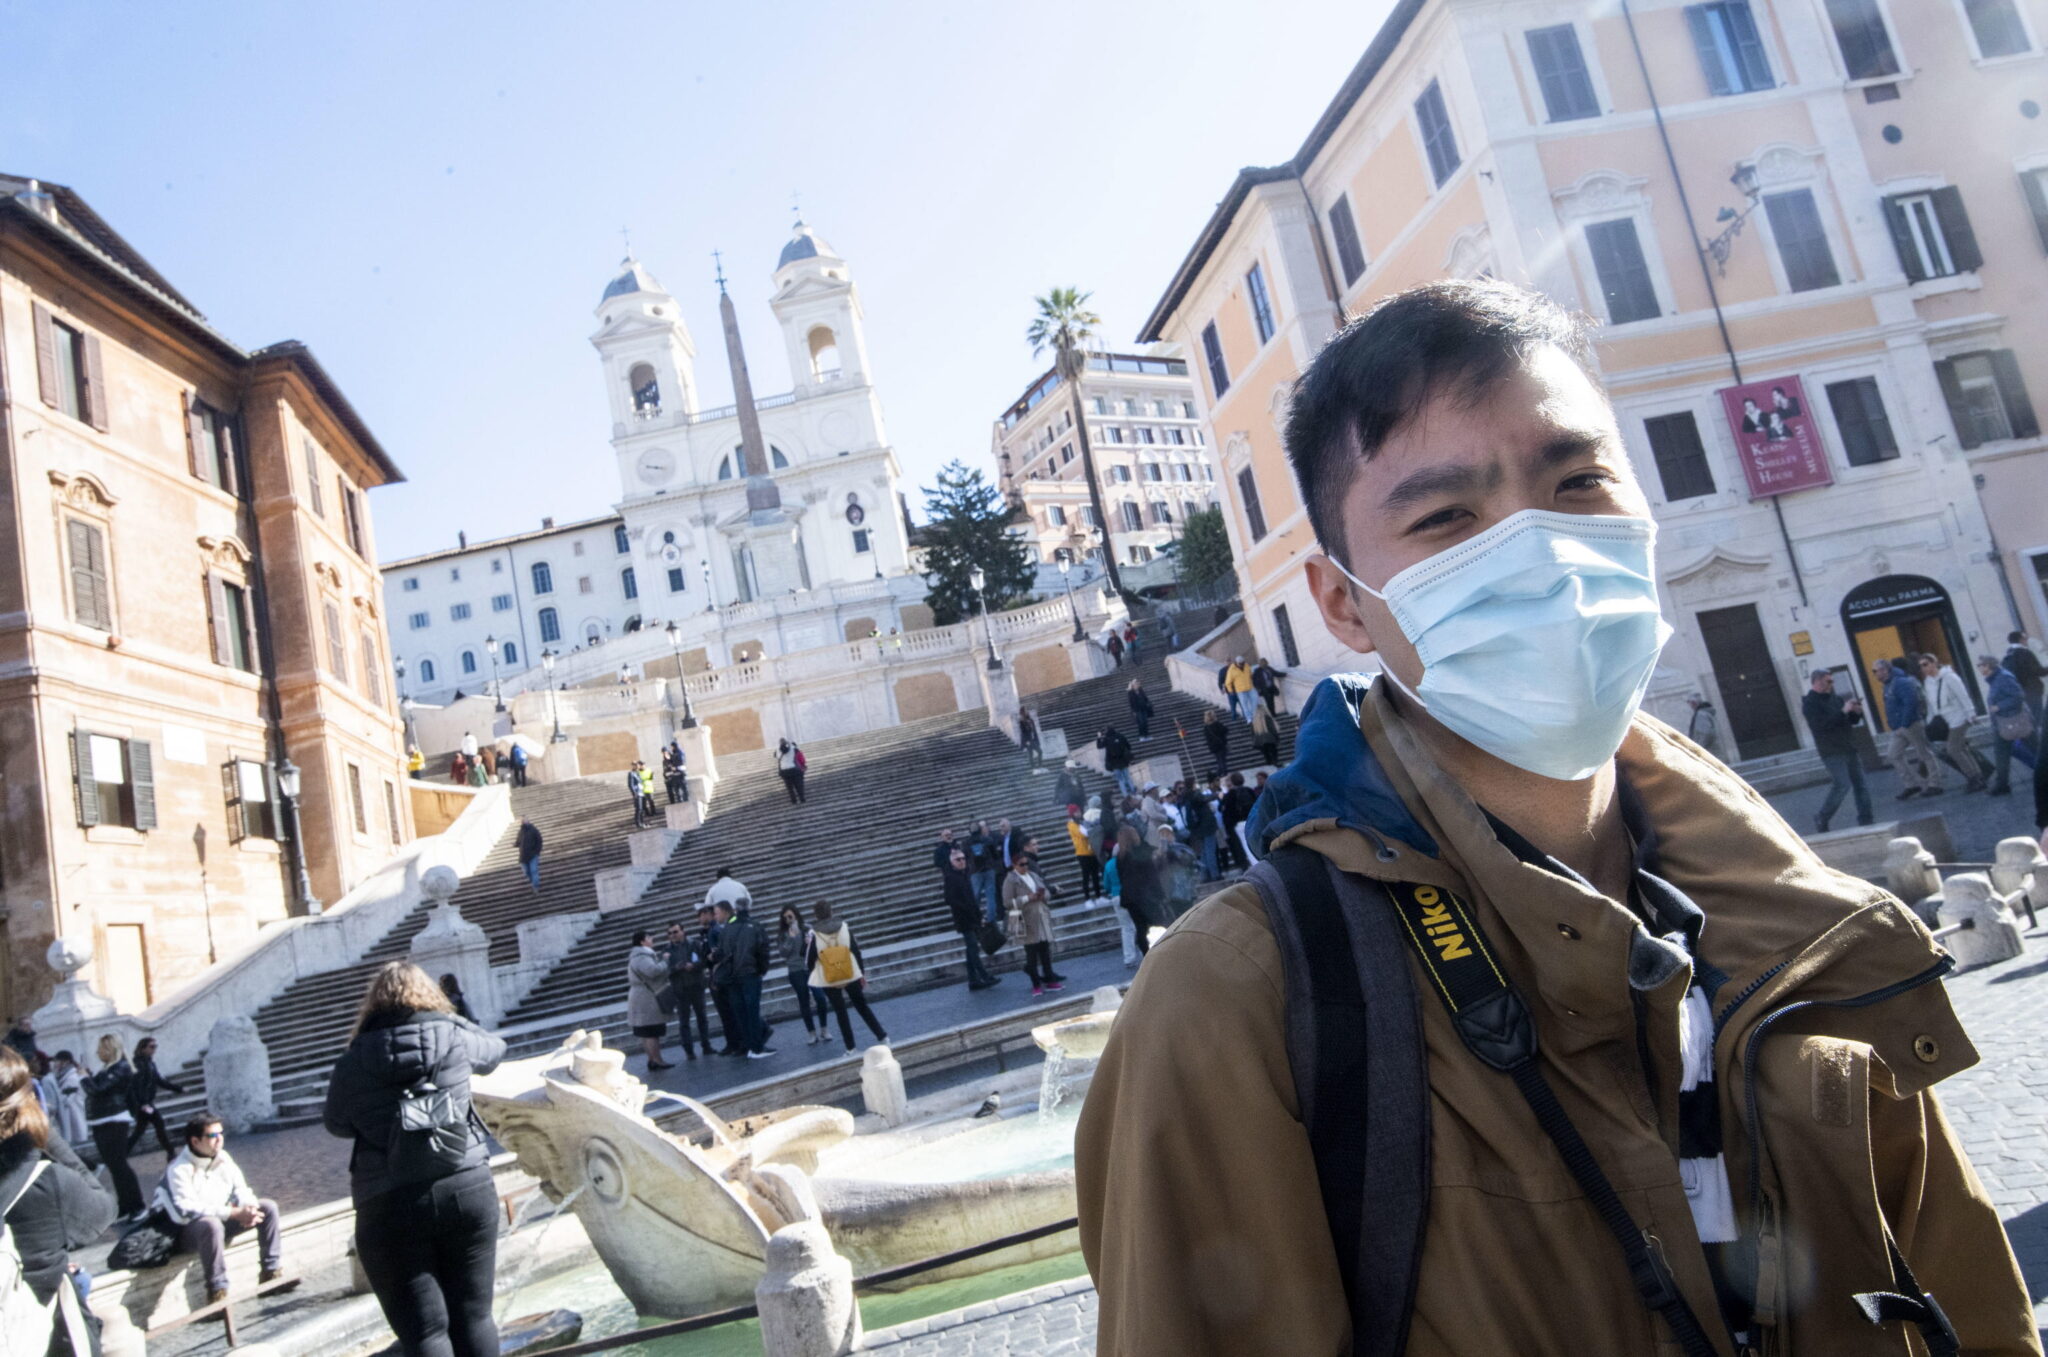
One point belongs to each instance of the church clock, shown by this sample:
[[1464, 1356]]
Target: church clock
[[657, 465]]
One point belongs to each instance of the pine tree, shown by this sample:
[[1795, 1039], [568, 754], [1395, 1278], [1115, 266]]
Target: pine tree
[[967, 525], [1205, 549]]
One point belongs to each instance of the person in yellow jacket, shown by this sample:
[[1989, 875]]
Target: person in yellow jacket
[[1237, 686], [1079, 832], [415, 762]]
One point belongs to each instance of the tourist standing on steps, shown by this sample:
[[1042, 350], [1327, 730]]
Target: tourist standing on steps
[[529, 852], [838, 970], [965, 908], [1266, 735], [426, 1232], [2007, 703], [744, 956], [1236, 808], [1905, 715], [984, 861], [57, 1204], [1113, 887], [686, 983], [1028, 897], [1084, 854], [1216, 735], [1114, 644], [1067, 789], [1831, 719], [792, 938], [1237, 686], [1116, 757], [1141, 707], [647, 794], [209, 1201], [1949, 701], [633, 793], [111, 1123], [1027, 737], [646, 977], [1131, 643], [789, 763], [943, 850], [64, 1099], [469, 746], [142, 1097], [517, 758], [458, 769], [1266, 683], [706, 942]]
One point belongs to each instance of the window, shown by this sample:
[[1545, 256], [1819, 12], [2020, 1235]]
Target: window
[[1208, 472], [314, 498], [458, 612], [1624, 274], [1932, 234], [583, 584], [455, 574], [1730, 51], [646, 390], [1160, 513], [411, 584], [1802, 241], [2034, 183], [1986, 397], [92, 601], [1561, 73], [1101, 405], [252, 810], [419, 621], [391, 812], [550, 626], [501, 603], [1997, 26], [575, 548], [511, 649], [1680, 456], [1437, 138], [211, 446], [543, 578], [629, 582], [1161, 409], [1187, 409], [1254, 514], [863, 542], [1184, 473], [676, 582], [1860, 33], [1282, 623], [355, 799], [1130, 407], [1859, 414], [619, 542], [228, 617], [1154, 472], [1120, 475], [114, 780], [1133, 520], [497, 566], [1212, 352], [373, 680], [1344, 236], [1055, 516], [69, 368], [426, 671], [352, 517], [1066, 454], [468, 661], [1147, 435], [1261, 304], [337, 658], [1112, 435], [1177, 437], [1090, 517]]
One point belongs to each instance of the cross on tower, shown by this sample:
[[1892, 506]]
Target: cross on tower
[[719, 260], [796, 206], [627, 237]]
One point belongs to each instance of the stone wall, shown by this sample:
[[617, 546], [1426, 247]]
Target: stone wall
[[735, 732], [922, 695], [1042, 668], [610, 752]]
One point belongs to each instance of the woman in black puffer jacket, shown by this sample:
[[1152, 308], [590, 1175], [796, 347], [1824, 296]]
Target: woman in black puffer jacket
[[429, 1247]]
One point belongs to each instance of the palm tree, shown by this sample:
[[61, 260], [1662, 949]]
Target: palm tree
[[1065, 325]]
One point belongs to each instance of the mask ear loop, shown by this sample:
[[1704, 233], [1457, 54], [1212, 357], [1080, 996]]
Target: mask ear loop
[[1385, 669]]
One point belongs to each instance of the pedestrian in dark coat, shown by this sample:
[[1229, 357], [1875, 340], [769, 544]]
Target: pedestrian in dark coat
[[1067, 790], [64, 1208], [429, 1246], [965, 908], [1141, 707], [112, 1122], [529, 845], [1116, 757], [142, 1091], [1217, 736]]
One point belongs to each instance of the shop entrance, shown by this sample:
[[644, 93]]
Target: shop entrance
[[1897, 617], [1758, 716]]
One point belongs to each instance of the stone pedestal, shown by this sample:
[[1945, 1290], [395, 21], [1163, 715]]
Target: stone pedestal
[[451, 945], [1910, 874], [998, 692], [237, 1064], [2022, 872], [1052, 744], [772, 541], [806, 1296], [560, 763], [622, 887], [1986, 931], [881, 1085], [1088, 659], [76, 1016], [1163, 769], [686, 814], [652, 847]]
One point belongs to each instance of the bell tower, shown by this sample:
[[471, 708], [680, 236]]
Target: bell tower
[[819, 310], [646, 352]]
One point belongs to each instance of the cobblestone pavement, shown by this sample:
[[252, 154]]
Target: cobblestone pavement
[[1975, 821], [1052, 1321]]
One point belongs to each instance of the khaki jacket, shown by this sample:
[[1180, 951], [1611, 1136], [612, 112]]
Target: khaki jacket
[[1034, 909], [1202, 1222]]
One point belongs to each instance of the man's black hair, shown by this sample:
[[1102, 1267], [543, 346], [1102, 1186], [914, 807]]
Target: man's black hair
[[641, 937], [2015, 637], [1379, 371], [198, 1126]]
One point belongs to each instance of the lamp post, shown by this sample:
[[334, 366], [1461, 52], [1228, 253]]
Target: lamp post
[[675, 645], [978, 579], [1721, 246], [709, 604], [497, 691], [547, 664], [288, 787], [1066, 559]]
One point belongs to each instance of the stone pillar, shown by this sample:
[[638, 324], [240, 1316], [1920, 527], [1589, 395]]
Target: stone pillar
[[881, 1085], [806, 1296], [2021, 871], [998, 692], [1910, 874], [450, 944], [652, 847], [1989, 932], [1106, 999], [77, 1016], [686, 814], [237, 1067]]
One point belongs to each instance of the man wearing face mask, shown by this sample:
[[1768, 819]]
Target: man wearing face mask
[[1552, 1037]]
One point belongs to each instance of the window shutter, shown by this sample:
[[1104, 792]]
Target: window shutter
[[88, 575], [1709, 52], [279, 830], [1902, 240], [195, 439], [1955, 229], [95, 385], [142, 782], [2035, 182], [2012, 388], [1958, 412], [46, 355], [231, 790], [1749, 46], [220, 620], [230, 455], [84, 786]]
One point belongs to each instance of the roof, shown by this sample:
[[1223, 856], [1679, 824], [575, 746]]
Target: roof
[[1348, 94], [81, 219], [296, 355], [561, 529], [632, 277], [804, 244]]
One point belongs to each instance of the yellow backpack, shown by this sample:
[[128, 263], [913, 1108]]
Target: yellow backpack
[[835, 958]]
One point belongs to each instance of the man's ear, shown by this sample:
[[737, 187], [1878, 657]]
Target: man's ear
[[1333, 595]]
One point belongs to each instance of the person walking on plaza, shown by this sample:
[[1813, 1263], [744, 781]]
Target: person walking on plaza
[[839, 972], [2025, 667], [142, 1093], [964, 907], [792, 938], [1028, 896], [1831, 719], [1116, 757], [1266, 683], [646, 977], [51, 1201], [1237, 686], [1084, 854], [789, 764], [2013, 730], [529, 845], [112, 1123], [1703, 727], [517, 760], [744, 956], [1949, 714], [685, 961], [1216, 735], [426, 1223], [1141, 707], [209, 1201], [1905, 716], [1534, 1029], [1266, 736]]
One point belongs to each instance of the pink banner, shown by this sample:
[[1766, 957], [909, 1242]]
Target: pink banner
[[1781, 449]]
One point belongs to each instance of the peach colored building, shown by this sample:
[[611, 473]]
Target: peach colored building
[[187, 600], [1841, 205]]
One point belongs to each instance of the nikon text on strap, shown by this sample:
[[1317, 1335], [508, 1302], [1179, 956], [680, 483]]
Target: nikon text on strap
[[1495, 1025]]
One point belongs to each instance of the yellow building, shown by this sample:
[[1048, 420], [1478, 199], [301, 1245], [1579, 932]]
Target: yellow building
[[189, 613], [1840, 206]]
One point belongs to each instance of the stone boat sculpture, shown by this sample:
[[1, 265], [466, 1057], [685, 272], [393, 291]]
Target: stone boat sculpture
[[683, 1221]]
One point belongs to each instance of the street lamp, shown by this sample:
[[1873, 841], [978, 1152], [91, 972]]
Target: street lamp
[[497, 691], [1066, 560], [978, 579], [288, 787], [709, 603], [675, 644], [1720, 247], [547, 664]]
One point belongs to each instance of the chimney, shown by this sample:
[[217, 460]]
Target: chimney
[[461, 540], [547, 525]]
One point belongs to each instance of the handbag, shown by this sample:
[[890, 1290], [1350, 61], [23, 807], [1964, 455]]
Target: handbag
[[1937, 729], [2018, 725], [149, 1244], [992, 937], [430, 1134]]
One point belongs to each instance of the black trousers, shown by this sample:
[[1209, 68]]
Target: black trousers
[[855, 994], [691, 998], [793, 783], [1038, 962], [721, 999], [1091, 876], [143, 1122], [110, 1138], [431, 1251], [519, 775]]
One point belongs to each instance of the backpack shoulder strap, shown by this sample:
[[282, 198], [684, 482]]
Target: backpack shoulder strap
[[1354, 1042]]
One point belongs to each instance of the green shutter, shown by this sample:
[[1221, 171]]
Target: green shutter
[[142, 782], [2012, 388], [1955, 230], [1902, 240], [85, 788], [1958, 412]]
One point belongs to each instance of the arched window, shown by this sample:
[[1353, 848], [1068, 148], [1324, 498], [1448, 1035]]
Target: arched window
[[591, 635], [550, 626], [469, 661], [619, 542], [646, 390], [630, 581], [426, 671], [776, 462], [824, 347], [543, 578], [511, 652]]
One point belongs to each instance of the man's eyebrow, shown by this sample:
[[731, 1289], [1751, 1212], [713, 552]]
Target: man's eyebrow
[[1433, 480], [1570, 447]]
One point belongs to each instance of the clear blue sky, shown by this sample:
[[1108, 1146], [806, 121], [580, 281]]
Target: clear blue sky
[[431, 194]]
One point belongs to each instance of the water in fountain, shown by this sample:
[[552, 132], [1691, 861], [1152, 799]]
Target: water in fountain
[[533, 1253], [1052, 1089]]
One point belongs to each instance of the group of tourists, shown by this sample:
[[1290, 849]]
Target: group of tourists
[[474, 764]]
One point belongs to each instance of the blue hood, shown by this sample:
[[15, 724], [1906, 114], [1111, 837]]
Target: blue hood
[[1334, 776]]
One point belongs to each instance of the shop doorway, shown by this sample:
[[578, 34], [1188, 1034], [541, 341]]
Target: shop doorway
[[1759, 718], [1898, 616]]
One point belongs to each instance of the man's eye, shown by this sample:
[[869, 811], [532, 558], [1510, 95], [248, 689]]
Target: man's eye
[[1587, 480], [1442, 518]]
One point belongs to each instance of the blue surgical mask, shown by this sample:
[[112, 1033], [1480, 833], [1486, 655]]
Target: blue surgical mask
[[1537, 637]]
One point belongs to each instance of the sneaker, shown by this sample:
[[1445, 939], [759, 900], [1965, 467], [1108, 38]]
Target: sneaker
[[761, 1054], [1908, 794], [1036, 992], [1055, 987]]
